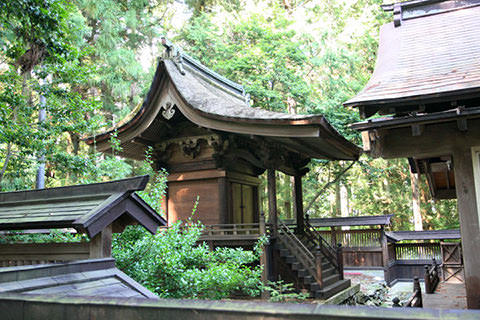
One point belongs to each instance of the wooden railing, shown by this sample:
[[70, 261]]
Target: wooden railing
[[415, 300], [301, 252], [234, 231], [333, 254], [417, 251], [432, 277]]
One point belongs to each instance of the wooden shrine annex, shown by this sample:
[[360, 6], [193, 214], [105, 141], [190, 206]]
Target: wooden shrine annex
[[214, 145], [72, 269], [426, 84]]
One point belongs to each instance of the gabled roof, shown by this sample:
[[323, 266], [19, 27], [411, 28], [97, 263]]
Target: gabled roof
[[87, 208], [350, 221], [89, 278], [211, 101], [423, 235], [427, 55]]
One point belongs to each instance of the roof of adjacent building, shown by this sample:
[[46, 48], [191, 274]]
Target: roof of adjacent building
[[87, 208], [383, 220], [428, 54], [89, 278], [423, 235], [214, 102]]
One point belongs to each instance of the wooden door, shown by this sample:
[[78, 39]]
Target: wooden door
[[242, 203], [452, 262]]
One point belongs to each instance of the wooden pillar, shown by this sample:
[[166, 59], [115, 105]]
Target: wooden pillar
[[298, 202], [384, 244], [101, 244], [333, 237], [469, 223], [272, 200]]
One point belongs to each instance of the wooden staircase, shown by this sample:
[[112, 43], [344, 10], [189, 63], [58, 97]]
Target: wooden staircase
[[316, 266]]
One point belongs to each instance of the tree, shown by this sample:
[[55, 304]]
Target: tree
[[39, 42]]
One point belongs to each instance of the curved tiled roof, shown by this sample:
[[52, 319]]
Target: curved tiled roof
[[211, 101], [432, 56]]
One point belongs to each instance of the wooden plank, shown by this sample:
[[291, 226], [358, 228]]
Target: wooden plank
[[196, 175]]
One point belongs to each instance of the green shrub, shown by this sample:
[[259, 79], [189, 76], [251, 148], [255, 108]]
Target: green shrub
[[173, 265]]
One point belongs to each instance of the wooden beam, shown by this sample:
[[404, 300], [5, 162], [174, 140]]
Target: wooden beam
[[272, 200], [469, 222], [101, 244], [298, 201]]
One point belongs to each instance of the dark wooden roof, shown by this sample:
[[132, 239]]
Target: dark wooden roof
[[350, 221], [423, 235], [90, 278], [87, 208], [429, 54], [213, 102]]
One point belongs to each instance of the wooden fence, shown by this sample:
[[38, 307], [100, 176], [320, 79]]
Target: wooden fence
[[418, 251], [19, 254], [363, 238], [361, 248]]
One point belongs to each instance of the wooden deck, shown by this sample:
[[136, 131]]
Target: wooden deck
[[447, 296]]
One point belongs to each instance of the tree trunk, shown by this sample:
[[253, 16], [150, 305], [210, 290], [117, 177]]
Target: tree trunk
[[417, 215], [338, 201]]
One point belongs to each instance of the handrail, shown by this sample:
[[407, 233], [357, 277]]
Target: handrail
[[296, 247], [327, 250], [415, 300], [432, 277]]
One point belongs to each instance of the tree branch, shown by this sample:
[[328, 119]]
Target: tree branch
[[328, 184]]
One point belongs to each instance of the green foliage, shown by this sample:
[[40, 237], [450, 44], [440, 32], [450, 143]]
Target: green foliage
[[55, 235], [173, 265], [284, 292]]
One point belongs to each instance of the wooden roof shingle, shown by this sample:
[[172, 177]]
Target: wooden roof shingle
[[87, 208], [90, 278], [427, 56]]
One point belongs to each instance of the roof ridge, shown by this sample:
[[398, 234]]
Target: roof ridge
[[178, 56], [123, 185]]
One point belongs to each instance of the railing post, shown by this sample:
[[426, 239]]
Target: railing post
[[417, 288], [340, 260], [428, 285], [318, 265], [307, 221]]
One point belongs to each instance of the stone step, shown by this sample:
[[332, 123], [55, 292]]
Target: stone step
[[332, 289], [328, 280]]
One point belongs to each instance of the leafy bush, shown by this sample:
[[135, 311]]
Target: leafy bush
[[284, 292], [173, 265]]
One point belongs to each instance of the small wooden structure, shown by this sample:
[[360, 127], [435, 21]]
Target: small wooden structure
[[214, 145], [427, 79], [95, 209]]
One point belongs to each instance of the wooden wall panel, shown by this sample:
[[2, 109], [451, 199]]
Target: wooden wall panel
[[183, 194]]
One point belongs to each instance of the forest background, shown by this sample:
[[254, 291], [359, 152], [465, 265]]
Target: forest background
[[71, 68]]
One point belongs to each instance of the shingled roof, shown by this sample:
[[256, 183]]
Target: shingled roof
[[423, 235], [211, 101], [89, 278], [87, 208], [427, 55], [350, 221]]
